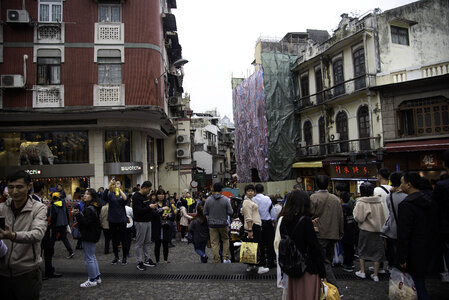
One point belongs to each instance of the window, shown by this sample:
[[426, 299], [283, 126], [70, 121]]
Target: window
[[117, 146], [109, 70], [399, 35], [322, 135], [304, 86], [359, 68], [308, 133], [342, 129], [48, 70], [424, 117], [364, 128], [109, 13], [319, 86], [50, 11], [339, 78]]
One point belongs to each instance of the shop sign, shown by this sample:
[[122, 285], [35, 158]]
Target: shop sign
[[428, 161], [53, 171], [123, 168], [33, 171], [352, 171]]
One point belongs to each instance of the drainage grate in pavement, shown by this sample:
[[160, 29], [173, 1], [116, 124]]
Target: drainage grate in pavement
[[243, 277]]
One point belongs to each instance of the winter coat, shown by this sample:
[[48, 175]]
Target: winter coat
[[250, 212], [185, 218], [327, 208], [59, 215], [200, 231], [158, 231], [104, 216], [369, 213], [417, 232], [89, 224], [441, 197], [217, 209], [24, 253]]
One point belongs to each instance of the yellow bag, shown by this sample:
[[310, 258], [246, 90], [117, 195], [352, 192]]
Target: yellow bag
[[248, 253], [329, 291]]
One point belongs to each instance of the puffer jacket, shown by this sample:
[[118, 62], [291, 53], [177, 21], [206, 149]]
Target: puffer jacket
[[24, 253], [369, 213]]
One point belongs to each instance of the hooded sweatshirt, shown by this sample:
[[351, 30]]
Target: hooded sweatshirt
[[217, 209], [59, 214]]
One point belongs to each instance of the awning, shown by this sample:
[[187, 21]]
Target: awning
[[422, 145], [308, 164]]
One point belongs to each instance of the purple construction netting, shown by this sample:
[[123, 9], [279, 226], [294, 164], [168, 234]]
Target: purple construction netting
[[251, 140]]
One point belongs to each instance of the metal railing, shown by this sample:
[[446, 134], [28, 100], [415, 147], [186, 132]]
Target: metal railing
[[360, 145]]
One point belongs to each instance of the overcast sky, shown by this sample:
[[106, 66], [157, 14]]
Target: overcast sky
[[218, 38]]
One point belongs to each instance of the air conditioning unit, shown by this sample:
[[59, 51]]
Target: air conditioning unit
[[334, 137], [12, 81], [302, 152], [174, 101], [302, 144], [182, 139], [335, 148], [182, 153], [17, 16], [313, 151]]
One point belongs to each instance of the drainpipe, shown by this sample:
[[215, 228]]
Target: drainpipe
[[25, 57]]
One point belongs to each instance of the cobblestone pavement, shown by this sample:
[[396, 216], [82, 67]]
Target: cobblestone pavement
[[163, 282]]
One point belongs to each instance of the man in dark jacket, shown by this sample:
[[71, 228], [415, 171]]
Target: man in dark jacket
[[59, 219], [142, 210], [415, 223], [217, 209]]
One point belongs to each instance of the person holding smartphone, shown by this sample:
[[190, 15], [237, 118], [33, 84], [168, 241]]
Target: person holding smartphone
[[25, 226]]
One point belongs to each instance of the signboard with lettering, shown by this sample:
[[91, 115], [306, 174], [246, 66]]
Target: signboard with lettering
[[52, 171], [123, 168], [352, 171], [428, 161]]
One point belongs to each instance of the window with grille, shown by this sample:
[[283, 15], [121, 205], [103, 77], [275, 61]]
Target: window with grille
[[48, 70], [364, 127], [308, 133], [319, 85], [342, 129], [424, 117], [109, 70], [322, 135], [399, 35], [304, 86], [359, 68], [339, 77], [50, 11], [109, 13]]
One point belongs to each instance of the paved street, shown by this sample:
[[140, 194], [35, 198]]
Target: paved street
[[185, 278]]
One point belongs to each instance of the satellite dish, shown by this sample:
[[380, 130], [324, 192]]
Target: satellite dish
[[180, 62]]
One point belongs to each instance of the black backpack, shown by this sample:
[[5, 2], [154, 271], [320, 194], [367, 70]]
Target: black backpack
[[291, 260]]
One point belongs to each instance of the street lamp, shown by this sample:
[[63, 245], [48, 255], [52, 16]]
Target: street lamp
[[177, 64], [379, 158]]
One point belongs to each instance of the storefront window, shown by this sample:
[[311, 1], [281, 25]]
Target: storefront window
[[117, 146], [43, 148]]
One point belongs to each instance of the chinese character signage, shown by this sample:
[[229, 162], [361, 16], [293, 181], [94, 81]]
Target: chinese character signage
[[352, 171], [428, 161]]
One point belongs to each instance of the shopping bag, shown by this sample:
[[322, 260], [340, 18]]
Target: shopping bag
[[248, 253], [401, 286], [329, 291], [76, 234], [338, 254], [282, 278]]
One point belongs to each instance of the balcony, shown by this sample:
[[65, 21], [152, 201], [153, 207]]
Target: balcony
[[48, 96], [361, 145], [347, 87], [109, 95], [212, 149], [109, 33], [49, 33]]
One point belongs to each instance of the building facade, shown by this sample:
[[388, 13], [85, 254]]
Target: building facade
[[85, 87]]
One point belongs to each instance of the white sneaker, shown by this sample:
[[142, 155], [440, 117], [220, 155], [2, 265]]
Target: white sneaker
[[99, 280], [360, 274], [262, 270], [226, 261], [381, 271], [375, 278], [88, 284], [184, 240]]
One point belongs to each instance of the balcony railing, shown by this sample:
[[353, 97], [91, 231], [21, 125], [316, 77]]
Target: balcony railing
[[109, 33], [339, 147], [343, 88], [49, 33], [109, 95], [48, 96]]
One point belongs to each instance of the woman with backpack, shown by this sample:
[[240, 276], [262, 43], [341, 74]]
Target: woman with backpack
[[90, 228], [295, 222], [200, 234]]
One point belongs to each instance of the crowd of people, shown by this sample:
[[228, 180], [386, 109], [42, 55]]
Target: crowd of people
[[402, 223]]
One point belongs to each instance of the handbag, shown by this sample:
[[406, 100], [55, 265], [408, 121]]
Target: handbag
[[329, 291], [291, 260], [248, 253], [76, 234]]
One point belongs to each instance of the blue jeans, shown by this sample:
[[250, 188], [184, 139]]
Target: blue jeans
[[91, 260], [200, 249], [420, 285]]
